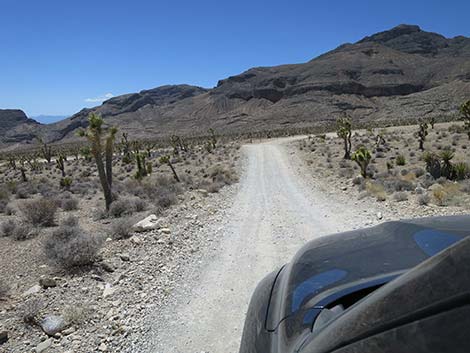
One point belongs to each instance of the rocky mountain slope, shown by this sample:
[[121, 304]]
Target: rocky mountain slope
[[15, 126], [400, 74]]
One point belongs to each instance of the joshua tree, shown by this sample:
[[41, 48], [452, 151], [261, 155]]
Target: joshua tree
[[343, 129], [167, 160], [213, 138], [102, 146], [126, 148], [362, 157], [46, 150], [60, 162], [422, 133], [432, 121], [465, 111], [22, 169]]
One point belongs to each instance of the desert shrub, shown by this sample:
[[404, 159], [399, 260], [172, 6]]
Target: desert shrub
[[165, 198], [139, 204], [39, 212], [346, 172], [71, 247], [376, 190], [70, 221], [358, 180], [122, 229], [4, 199], [461, 170], [440, 197], [400, 196], [30, 310], [7, 228], [423, 199], [69, 204], [396, 185], [418, 172], [76, 315], [400, 160], [18, 231], [4, 288], [121, 207]]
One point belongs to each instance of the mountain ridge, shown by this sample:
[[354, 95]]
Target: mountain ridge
[[402, 73]]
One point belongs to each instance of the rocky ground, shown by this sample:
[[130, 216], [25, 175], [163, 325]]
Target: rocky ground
[[393, 191], [99, 307]]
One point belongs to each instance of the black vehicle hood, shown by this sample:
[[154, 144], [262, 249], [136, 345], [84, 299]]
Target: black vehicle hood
[[378, 253]]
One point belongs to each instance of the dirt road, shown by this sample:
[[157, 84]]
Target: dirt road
[[274, 213]]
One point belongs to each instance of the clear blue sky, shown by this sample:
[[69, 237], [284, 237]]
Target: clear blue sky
[[58, 56]]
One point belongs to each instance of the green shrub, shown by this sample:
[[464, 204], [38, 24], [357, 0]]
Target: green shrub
[[401, 160]]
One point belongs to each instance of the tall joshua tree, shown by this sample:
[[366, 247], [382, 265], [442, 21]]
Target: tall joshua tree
[[102, 147], [343, 130], [465, 111]]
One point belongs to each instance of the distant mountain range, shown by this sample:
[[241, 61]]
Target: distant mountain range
[[48, 119], [403, 73]]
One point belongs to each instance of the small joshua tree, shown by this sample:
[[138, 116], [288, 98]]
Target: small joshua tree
[[167, 160], [362, 157], [102, 146], [60, 162], [213, 138], [432, 121], [343, 129], [46, 150], [126, 148], [465, 111], [422, 133]]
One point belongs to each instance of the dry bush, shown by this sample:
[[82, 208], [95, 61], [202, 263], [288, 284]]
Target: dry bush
[[376, 190], [71, 247], [122, 229], [4, 289], [70, 221], [423, 199], [18, 231], [121, 207], [39, 212], [69, 204], [76, 315], [400, 196], [30, 310]]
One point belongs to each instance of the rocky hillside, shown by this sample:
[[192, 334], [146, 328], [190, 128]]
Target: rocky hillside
[[402, 73], [15, 126]]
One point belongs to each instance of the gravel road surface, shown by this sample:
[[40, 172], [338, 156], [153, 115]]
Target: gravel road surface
[[273, 214]]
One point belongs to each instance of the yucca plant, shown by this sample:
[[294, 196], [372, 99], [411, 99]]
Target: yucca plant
[[433, 164], [101, 146], [362, 157], [60, 164], [446, 166], [401, 160], [461, 170]]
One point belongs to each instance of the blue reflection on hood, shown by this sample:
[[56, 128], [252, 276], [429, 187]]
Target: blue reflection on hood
[[432, 241], [314, 284]]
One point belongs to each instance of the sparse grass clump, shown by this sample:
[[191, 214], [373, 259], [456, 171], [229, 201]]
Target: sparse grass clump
[[39, 212], [71, 247]]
